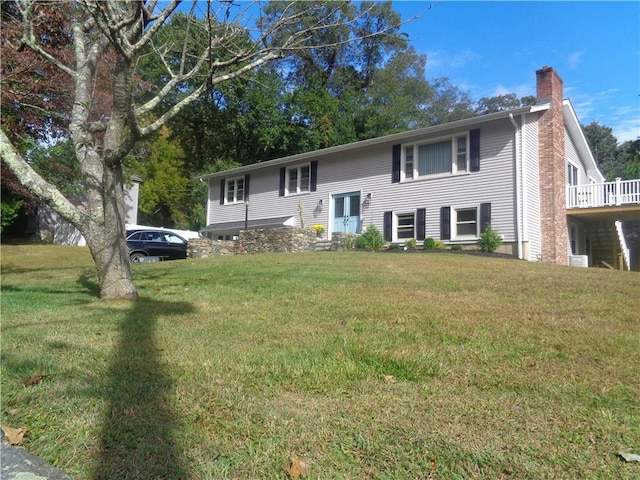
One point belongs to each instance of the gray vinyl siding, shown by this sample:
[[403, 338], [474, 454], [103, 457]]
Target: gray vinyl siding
[[531, 230], [369, 170], [572, 156]]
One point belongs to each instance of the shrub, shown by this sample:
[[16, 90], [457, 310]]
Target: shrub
[[411, 243], [456, 247], [429, 243], [361, 242], [373, 238], [394, 246], [490, 240], [318, 228], [439, 245]]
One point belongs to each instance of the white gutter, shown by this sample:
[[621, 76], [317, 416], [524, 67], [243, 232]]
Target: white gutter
[[516, 138]]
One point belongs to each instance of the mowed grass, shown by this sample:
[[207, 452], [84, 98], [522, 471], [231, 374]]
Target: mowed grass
[[370, 365]]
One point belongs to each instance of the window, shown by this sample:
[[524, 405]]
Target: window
[[466, 223], [438, 158], [234, 190], [405, 225], [572, 174], [298, 179]]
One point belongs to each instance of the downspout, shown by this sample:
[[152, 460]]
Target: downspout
[[525, 204], [516, 139]]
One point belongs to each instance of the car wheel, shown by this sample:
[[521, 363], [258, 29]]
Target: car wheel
[[135, 257]]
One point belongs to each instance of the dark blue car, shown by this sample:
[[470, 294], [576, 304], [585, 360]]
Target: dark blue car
[[155, 243]]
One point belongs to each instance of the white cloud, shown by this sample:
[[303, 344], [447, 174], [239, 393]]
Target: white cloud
[[574, 60], [441, 63]]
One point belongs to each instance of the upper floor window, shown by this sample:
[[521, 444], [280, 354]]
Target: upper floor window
[[234, 190], [298, 179], [438, 158], [572, 174]]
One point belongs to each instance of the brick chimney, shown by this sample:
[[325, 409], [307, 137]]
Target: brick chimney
[[553, 207]]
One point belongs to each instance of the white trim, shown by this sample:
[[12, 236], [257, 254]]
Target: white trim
[[454, 223], [236, 200]]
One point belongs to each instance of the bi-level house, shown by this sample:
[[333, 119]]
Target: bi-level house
[[527, 172]]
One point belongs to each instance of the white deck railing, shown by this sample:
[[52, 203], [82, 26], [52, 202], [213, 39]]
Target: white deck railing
[[620, 192]]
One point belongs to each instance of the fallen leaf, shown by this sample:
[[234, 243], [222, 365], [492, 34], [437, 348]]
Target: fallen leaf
[[297, 467], [13, 435], [34, 380], [629, 457], [388, 378]]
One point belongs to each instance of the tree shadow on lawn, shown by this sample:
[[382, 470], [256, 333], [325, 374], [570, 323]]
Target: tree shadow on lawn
[[139, 423]]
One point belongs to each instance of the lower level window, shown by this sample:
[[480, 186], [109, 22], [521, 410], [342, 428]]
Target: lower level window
[[466, 222], [405, 225]]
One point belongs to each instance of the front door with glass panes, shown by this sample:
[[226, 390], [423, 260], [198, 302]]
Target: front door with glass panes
[[346, 213]]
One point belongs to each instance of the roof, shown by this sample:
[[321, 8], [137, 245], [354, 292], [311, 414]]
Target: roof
[[570, 119], [235, 226], [396, 137]]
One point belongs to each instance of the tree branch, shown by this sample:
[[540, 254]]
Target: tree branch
[[37, 185]]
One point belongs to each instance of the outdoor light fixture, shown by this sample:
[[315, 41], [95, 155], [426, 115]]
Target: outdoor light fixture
[[320, 204], [367, 200]]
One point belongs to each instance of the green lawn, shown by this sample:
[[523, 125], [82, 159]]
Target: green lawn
[[370, 365]]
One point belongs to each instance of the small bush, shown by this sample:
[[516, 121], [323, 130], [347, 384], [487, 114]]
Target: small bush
[[361, 242], [411, 243], [394, 246], [429, 243], [456, 247], [373, 238], [490, 240], [439, 245]]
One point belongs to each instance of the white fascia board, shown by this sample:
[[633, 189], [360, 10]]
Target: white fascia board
[[402, 137], [582, 146]]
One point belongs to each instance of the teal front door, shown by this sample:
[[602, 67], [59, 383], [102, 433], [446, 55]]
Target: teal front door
[[346, 213]]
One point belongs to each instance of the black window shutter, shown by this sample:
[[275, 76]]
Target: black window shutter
[[246, 186], [485, 216], [421, 224], [314, 175], [222, 185], [388, 226], [396, 153], [283, 173], [474, 154], [445, 223]]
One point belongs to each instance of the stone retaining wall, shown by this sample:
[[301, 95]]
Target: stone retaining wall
[[271, 240], [276, 240], [203, 248]]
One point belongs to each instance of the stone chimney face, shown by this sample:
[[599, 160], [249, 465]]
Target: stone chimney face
[[551, 154]]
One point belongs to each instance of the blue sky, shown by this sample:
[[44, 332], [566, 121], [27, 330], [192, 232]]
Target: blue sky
[[493, 48]]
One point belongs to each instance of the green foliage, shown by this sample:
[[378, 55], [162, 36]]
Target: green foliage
[[9, 209], [167, 196], [429, 243], [456, 247], [361, 242], [411, 243], [373, 238], [439, 245], [500, 103], [489, 240]]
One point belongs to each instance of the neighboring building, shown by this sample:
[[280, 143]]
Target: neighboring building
[[51, 227], [528, 172]]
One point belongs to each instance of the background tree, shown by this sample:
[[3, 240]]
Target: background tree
[[500, 103], [102, 138], [604, 146]]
